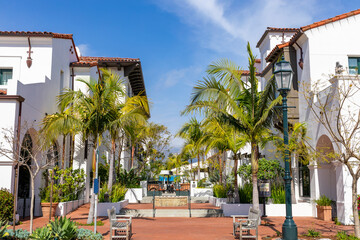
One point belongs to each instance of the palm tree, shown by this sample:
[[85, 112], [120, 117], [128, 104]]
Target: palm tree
[[227, 139], [192, 133], [96, 110], [238, 104]]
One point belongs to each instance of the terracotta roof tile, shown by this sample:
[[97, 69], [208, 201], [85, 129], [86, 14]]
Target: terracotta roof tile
[[330, 20], [247, 73], [273, 29], [275, 50], [35, 34], [258, 60], [94, 61]]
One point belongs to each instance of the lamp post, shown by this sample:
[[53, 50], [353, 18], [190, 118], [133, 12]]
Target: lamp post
[[283, 77]]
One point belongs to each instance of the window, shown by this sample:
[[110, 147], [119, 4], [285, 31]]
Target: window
[[5, 75], [354, 65]]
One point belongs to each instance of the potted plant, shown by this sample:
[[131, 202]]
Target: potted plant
[[323, 205]]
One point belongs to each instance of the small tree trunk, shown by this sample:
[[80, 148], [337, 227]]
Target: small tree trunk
[[51, 194], [15, 195], [32, 203], [355, 207], [236, 187], [111, 167], [254, 169]]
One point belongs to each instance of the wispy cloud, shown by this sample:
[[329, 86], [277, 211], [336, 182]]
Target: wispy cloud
[[173, 77], [225, 26]]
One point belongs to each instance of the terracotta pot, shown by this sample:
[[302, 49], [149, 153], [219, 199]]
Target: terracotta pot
[[324, 213], [45, 207]]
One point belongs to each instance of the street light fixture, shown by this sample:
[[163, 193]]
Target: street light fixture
[[283, 77]]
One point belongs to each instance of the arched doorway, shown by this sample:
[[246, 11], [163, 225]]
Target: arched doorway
[[324, 149], [24, 175]]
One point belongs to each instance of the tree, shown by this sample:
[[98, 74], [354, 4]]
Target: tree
[[192, 133], [239, 104], [34, 155], [337, 109], [226, 138], [96, 110]]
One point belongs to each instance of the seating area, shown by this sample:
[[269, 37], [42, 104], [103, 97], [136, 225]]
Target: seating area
[[120, 225], [242, 224]]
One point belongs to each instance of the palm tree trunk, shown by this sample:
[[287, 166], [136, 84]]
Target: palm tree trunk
[[132, 155], [254, 169], [111, 167], [220, 168], [236, 187], [72, 144], [198, 157], [191, 172], [63, 153], [119, 157], [92, 199]]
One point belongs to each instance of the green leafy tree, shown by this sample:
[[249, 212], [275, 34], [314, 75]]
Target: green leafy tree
[[239, 104]]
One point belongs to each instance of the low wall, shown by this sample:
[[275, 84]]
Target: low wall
[[272, 210], [66, 207], [202, 192], [134, 195], [103, 207], [217, 201]]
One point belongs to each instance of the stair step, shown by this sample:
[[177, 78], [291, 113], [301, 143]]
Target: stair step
[[173, 212], [149, 199]]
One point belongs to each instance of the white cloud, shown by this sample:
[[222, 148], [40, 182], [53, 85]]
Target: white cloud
[[225, 26], [176, 76], [84, 49]]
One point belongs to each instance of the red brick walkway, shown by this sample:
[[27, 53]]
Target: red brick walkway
[[197, 228]]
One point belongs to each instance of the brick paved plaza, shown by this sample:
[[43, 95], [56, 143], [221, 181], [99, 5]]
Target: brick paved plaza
[[196, 228]]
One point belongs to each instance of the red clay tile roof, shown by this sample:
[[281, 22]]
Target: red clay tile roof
[[247, 73], [93, 61], [35, 34], [275, 50], [258, 60], [273, 29], [330, 20]]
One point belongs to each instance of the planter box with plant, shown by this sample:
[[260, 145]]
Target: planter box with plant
[[323, 206], [68, 185]]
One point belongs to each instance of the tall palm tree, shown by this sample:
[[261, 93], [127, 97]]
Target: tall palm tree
[[239, 104], [192, 133], [132, 109], [96, 110]]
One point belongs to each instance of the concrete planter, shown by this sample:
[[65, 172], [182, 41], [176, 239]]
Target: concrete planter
[[324, 212], [45, 208], [64, 208], [134, 195], [217, 201], [202, 192], [104, 206]]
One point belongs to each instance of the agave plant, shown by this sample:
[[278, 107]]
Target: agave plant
[[63, 229], [3, 232], [43, 233]]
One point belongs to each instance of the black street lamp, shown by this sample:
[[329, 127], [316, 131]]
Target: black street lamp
[[283, 77]]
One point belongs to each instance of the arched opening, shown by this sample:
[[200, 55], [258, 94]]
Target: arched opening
[[324, 149], [24, 175]]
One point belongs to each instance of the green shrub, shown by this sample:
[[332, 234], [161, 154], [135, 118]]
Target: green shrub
[[201, 183], [85, 234], [343, 236], [313, 233], [323, 201], [102, 192], [6, 205], [43, 233], [19, 234], [245, 193], [219, 191], [278, 194], [268, 169], [63, 229], [128, 178], [118, 193]]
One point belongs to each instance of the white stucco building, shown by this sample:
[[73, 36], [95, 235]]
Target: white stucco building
[[314, 51], [34, 68]]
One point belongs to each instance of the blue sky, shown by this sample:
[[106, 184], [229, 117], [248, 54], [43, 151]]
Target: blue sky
[[175, 39]]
